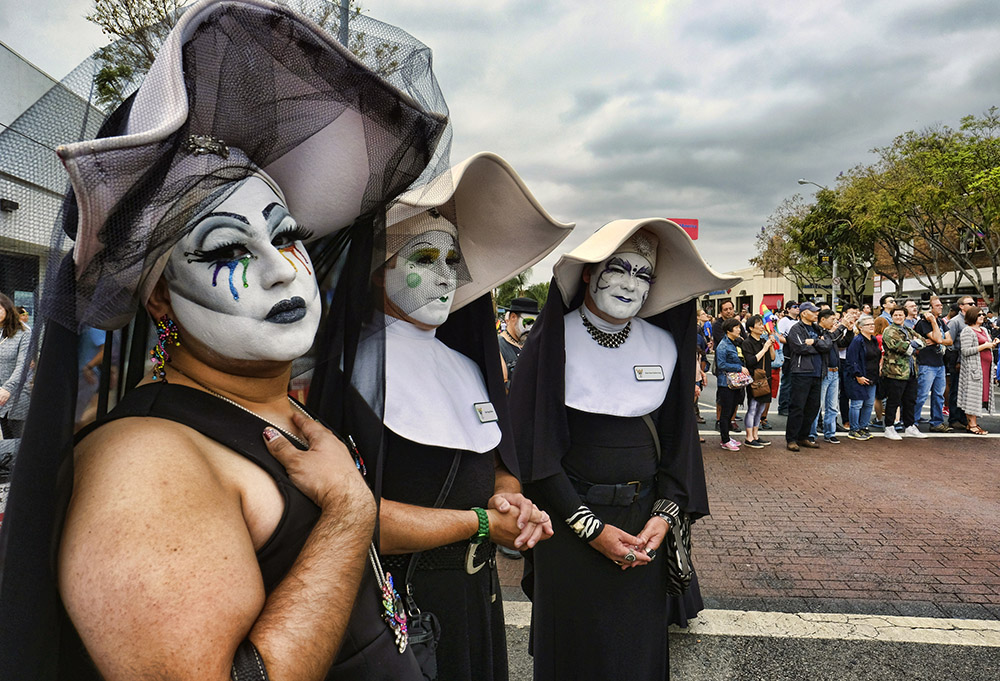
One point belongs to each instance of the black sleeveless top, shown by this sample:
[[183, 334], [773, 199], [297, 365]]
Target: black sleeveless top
[[368, 650]]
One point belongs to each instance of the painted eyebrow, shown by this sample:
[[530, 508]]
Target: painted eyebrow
[[199, 237], [271, 206]]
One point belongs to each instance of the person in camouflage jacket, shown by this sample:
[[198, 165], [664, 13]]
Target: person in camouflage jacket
[[899, 351], [899, 376]]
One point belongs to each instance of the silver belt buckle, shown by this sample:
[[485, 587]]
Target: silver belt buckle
[[470, 559]]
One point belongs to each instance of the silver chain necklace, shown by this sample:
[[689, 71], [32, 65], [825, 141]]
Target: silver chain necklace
[[603, 338], [236, 404]]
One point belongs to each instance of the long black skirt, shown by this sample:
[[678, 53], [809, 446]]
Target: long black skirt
[[591, 620]]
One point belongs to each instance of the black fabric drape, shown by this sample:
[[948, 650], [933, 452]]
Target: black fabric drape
[[30, 609]]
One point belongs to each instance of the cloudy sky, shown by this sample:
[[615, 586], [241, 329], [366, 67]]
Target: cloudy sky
[[708, 109]]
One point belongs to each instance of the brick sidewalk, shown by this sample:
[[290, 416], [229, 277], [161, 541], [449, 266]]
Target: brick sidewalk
[[907, 528]]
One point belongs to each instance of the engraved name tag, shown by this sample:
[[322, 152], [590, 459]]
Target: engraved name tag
[[648, 372], [486, 412]]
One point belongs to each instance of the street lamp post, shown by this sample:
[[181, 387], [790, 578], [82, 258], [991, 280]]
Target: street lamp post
[[833, 258]]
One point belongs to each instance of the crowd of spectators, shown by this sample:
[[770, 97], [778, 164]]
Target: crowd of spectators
[[851, 370]]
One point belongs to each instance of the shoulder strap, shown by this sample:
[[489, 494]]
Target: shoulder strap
[[648, 420], [442, 495]]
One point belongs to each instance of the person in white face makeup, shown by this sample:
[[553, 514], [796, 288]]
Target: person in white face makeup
[[608, 446], [520, 316], [208, 527], [236, 303], [450, 492]]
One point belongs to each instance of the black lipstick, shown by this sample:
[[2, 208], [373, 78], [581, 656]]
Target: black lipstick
[[287, 311]]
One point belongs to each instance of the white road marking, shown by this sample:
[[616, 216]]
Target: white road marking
[[811, 625]]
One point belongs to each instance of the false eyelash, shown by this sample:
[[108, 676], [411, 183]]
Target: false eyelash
[[223, 253], [294, 233]]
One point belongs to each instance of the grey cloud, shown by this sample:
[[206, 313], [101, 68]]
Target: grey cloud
[[936, 19]]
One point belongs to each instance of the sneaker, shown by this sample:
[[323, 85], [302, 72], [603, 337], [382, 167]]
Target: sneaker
[[856, 435], [923, 420], [946, 412], [877, 424], [808, 444], [842, 429], [764, 425], [831, 440], [792, 446], [763, 443], [867, 434], [732, 446], [899, 426], [754, 444], [913, 431], [891, 434], [941, 428]]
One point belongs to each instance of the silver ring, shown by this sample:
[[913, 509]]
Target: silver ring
[[630, 557]]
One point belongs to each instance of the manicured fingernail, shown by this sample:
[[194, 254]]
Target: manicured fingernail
[[270, 434]]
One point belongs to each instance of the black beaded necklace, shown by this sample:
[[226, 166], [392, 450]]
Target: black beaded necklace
[[603, 338]]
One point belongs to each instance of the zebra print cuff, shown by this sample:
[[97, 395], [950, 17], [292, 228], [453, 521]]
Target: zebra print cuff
[[586, 525]]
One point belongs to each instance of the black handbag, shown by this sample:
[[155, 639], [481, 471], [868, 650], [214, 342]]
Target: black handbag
[[676, 547], [422, 628]]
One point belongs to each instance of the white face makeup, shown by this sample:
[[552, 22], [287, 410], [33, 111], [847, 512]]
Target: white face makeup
[[523, 325], [423, 282], [620, 284], [241, 282]]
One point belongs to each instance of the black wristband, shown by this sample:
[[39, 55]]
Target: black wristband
[[247, 664], [668, 510]]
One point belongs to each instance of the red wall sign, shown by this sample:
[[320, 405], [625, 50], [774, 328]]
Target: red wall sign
[[690, 226]]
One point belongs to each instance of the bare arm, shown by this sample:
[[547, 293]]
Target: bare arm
[[515, 521], [158, 571]]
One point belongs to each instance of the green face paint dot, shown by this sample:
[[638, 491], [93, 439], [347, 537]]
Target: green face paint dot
[[413, 280]]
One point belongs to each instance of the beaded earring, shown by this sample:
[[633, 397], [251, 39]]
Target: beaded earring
[[166, 333]]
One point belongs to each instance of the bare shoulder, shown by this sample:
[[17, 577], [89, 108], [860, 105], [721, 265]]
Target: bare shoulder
[[155, 554]]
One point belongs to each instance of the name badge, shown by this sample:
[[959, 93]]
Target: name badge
[[486, 412], [648, 372]]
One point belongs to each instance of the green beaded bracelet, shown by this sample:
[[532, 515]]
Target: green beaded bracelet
[[483, 533]]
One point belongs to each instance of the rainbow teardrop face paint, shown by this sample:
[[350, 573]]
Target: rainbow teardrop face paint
[[240, 281]]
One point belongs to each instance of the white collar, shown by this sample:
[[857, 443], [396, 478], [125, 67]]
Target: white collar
[[431, 392], [604, 380]]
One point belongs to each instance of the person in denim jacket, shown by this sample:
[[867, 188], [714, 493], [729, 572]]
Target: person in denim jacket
[[727, 359]]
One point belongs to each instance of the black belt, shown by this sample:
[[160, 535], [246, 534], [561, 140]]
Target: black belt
[[464, 555], [624, 494]]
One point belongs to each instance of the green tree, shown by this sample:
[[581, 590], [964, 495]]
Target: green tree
[[511, 289], [137, 29], [932, 198], [539, 292]]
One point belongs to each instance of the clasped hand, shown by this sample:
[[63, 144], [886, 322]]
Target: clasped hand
[[515, 522], [615, 543]]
